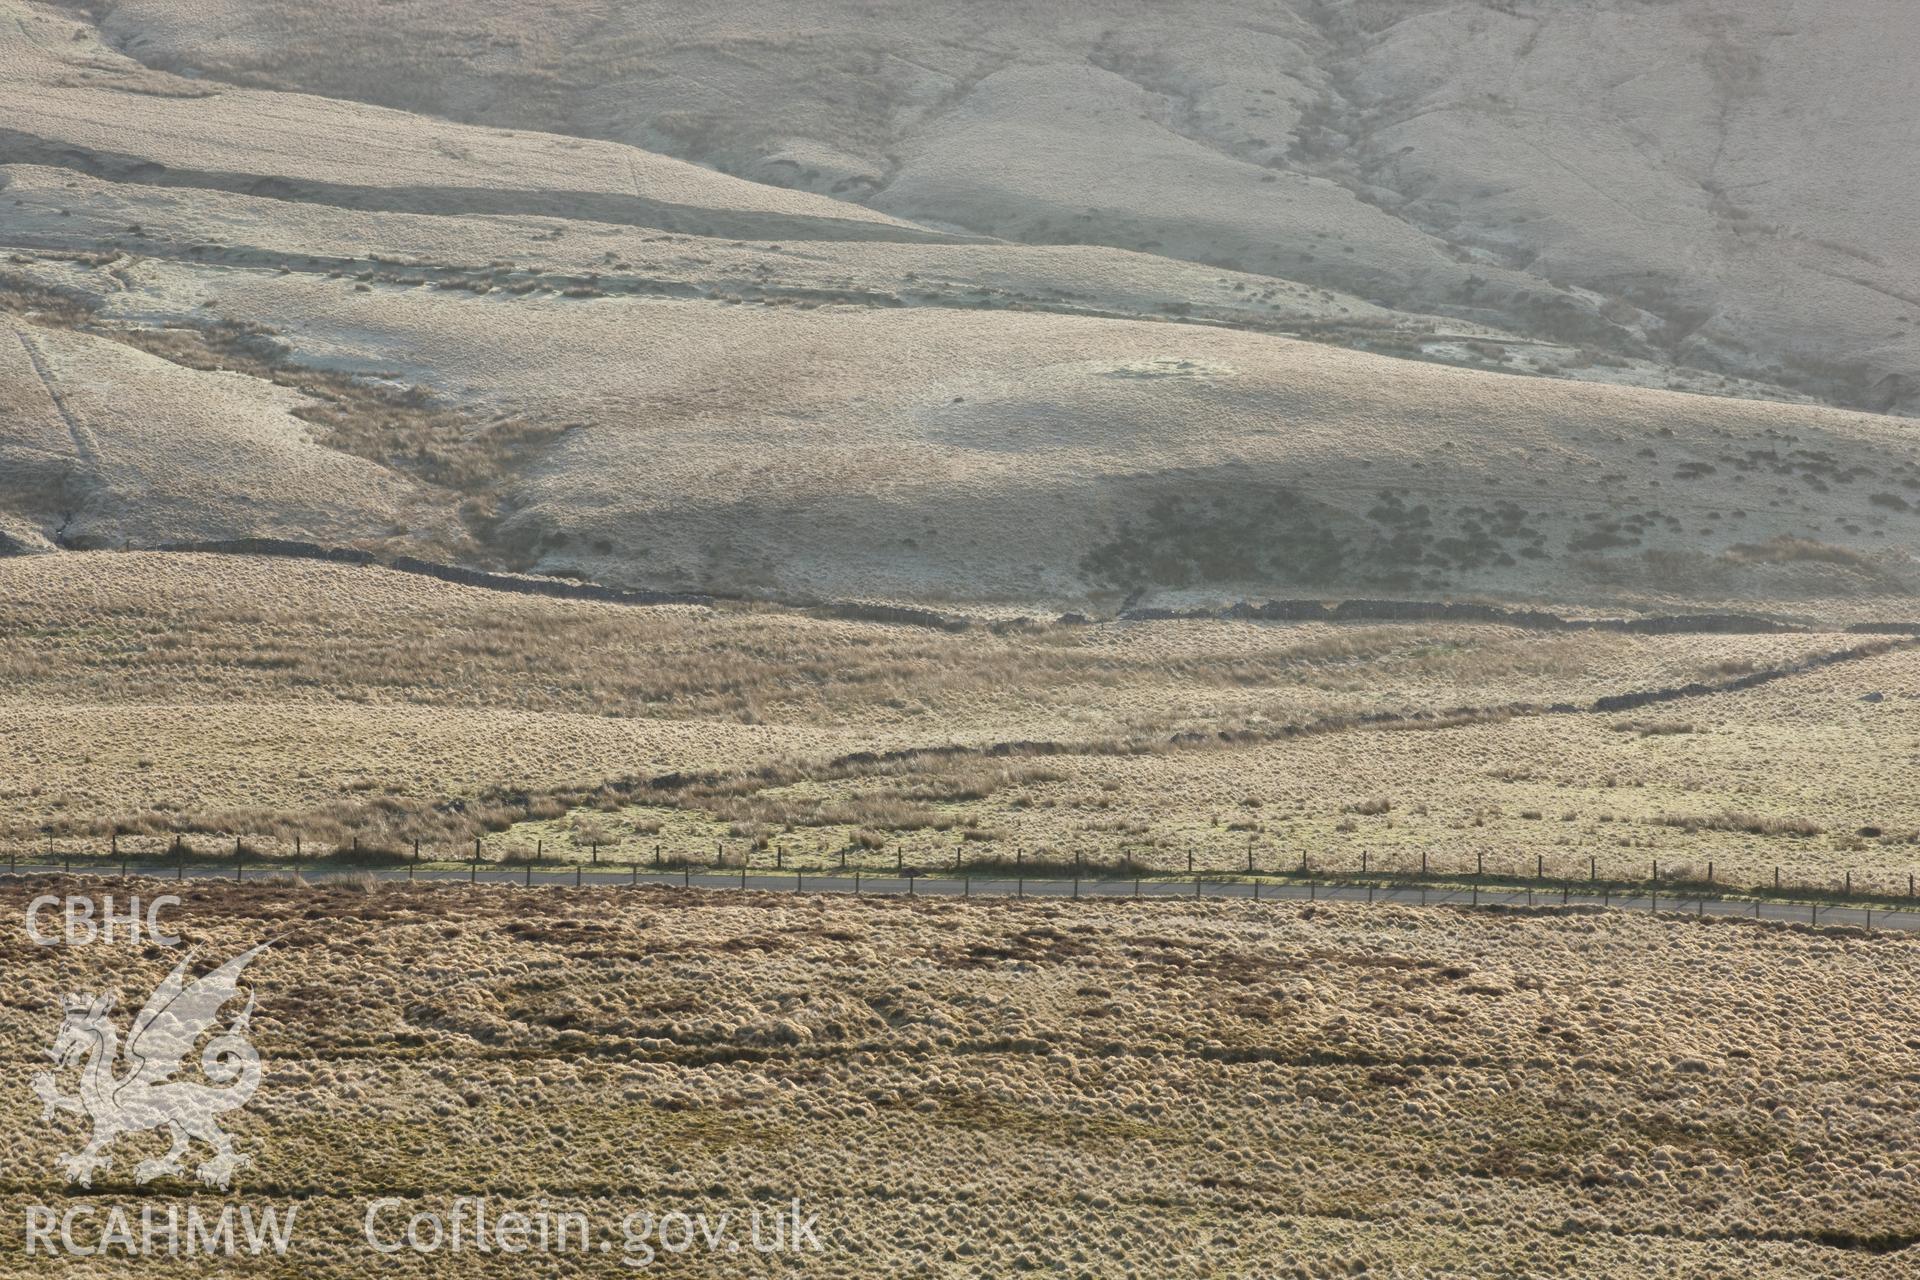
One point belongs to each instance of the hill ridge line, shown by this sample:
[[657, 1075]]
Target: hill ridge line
[[611, 208]]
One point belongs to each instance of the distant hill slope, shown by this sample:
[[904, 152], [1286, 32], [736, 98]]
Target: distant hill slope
[[1727, 182], [106, 446], [251, 311], [949, 454]]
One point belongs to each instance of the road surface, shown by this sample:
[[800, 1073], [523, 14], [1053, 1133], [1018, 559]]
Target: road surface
[[958, 886]]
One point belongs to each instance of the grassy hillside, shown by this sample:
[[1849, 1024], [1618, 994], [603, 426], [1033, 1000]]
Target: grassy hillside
[[1719, 181], [467, 337], [946, 453]]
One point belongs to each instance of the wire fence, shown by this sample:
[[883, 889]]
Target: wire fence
[[1588, 874], [1901, 918]]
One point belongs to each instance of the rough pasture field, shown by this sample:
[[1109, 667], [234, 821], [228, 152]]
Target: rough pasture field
[[166, 695], [988, 1089]]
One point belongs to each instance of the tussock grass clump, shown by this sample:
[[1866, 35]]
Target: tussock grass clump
[[1654, 728], [1754, 824], [1120, 1055]]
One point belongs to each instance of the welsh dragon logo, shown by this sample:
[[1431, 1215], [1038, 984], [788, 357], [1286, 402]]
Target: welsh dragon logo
[[141, 1094]]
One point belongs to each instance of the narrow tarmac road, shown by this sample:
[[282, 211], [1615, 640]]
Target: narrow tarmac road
[[953, 886]]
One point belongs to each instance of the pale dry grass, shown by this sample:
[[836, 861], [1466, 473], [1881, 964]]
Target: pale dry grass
[[158, 628], [1104, 1089], [1803, 775], [267, 699]]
